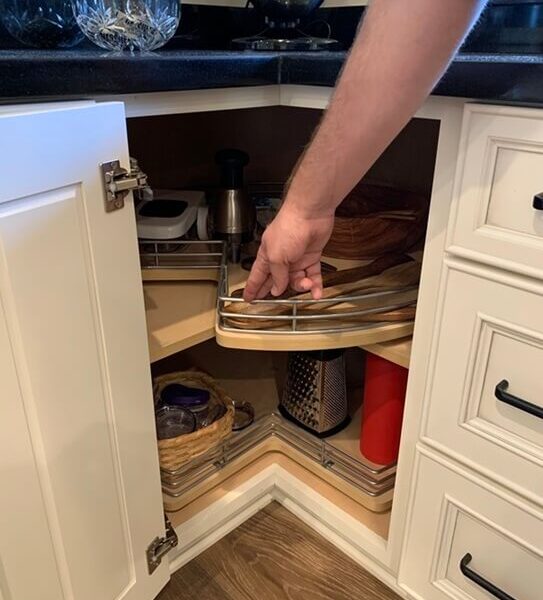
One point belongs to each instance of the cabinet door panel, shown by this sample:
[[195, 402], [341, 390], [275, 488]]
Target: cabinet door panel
[[72, 301], [22, 514]]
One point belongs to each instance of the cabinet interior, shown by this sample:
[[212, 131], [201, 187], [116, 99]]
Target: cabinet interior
[[177, 151], [258, 377]]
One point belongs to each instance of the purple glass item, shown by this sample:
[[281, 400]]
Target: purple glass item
[[177, 394]]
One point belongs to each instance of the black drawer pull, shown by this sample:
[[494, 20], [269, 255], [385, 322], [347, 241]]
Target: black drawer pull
[[481, 581], [503, 395], [538, 201]]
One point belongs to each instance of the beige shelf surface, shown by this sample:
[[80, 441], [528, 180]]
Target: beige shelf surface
[[396, 351], [182, 314], [179, 315]]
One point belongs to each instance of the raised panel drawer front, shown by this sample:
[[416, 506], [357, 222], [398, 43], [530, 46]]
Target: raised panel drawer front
[[484, 401], [457, 521], [495, 218]]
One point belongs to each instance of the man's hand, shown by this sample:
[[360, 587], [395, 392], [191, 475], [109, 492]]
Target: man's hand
[[290, 253]]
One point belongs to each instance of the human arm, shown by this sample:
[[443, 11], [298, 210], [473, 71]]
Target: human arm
[[398, 56]]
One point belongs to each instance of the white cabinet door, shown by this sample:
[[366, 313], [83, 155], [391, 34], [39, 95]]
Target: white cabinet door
[[80, 498]]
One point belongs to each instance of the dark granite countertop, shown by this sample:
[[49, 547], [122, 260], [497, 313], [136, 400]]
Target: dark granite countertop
[[89, 72], [503, 77]]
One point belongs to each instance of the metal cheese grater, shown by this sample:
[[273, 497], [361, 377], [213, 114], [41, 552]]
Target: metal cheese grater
[[315, 394]]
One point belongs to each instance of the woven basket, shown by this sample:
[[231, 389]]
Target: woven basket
[[176, 452]]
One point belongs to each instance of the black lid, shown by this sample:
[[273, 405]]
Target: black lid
[[231, 162]]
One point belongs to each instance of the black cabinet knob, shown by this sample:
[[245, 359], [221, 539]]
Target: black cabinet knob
[[538, 201]]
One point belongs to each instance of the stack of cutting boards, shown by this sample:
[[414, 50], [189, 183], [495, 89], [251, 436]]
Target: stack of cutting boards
[[397, 275]]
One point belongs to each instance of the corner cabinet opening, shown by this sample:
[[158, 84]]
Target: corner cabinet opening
[[177, 152]]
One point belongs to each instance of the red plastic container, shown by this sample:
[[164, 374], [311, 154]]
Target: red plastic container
[[382, 410]]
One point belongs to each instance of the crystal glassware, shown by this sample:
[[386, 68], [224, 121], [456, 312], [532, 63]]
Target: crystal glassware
[[128, 24], [41, 23]]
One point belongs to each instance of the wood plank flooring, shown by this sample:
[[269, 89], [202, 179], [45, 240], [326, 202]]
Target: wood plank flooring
[[274, 556]]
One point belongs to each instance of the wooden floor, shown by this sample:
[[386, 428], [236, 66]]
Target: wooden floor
[[274, 556]]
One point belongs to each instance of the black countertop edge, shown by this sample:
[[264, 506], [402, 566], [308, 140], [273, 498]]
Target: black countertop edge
[[497, 77], [88, 72]]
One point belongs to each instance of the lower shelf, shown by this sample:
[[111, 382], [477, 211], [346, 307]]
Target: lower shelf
[[374, 491], [379, 523], [259, 378]]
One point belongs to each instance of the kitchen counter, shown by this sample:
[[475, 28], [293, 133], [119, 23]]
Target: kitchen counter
[[508, 78], [91, 72]]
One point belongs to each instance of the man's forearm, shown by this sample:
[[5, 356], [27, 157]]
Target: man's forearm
[[398, 56]]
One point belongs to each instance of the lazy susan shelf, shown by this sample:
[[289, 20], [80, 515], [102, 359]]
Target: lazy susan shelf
[[181, 314], [364, 337]]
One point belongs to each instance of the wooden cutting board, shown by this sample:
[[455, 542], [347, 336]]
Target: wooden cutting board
[[403, 275]]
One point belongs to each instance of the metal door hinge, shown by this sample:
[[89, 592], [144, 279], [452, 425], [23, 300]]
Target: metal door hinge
[[118, 182], [160, 546]]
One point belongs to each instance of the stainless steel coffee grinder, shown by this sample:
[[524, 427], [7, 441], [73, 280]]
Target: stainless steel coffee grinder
[[234, 213]]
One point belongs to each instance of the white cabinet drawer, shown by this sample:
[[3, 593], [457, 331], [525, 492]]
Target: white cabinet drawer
[[500, 170], [453, 517], [490, 331]]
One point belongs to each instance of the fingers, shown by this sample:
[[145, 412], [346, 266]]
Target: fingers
[[266, 277], [314, 275], [269, 275], [265, 289], [299, 281], [257, 279], [280, 276]]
